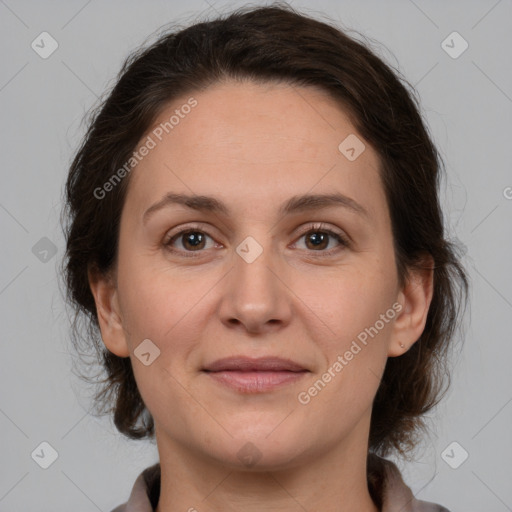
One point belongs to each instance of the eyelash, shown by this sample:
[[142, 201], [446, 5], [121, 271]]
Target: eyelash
[[315, 228]]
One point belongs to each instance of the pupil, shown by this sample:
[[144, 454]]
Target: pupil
[[317, 238], [190, 238]]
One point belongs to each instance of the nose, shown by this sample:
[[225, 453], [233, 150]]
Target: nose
[[256, 298]]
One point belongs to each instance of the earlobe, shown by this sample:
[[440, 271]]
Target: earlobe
[[415, 297], [109, 317]]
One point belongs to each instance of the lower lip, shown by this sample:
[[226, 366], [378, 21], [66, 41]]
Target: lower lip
[[256, 382]]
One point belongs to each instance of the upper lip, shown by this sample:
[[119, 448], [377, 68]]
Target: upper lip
[[247, 364]]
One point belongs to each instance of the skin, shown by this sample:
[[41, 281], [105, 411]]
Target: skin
[[253, 147]]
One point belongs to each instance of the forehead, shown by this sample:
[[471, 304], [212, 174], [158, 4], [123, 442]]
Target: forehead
[[250, 140]]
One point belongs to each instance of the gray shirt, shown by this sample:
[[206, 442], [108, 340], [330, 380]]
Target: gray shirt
[[386, 487]]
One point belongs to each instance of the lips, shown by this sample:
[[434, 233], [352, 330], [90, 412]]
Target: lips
[[247, 364], [249, 375]]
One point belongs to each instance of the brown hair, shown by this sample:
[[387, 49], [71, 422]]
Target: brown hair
[[271, 44]]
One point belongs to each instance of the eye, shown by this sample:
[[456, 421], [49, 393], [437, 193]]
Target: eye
[[317, 239], [191, 240], [194, 240]]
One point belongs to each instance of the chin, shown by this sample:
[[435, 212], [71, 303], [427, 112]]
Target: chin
[[262, 449]]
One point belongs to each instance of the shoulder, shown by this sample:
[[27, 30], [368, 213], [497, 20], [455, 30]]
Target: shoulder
[[145, 492], [393, 492]]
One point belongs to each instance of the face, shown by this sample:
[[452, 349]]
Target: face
[[265, 276]]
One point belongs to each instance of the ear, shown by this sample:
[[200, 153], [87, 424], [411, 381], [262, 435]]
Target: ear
[[415, 299], [104, 290]]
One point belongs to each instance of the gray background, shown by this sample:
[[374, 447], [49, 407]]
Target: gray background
[[467, 102]]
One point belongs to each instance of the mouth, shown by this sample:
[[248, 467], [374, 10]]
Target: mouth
[[248, 375]]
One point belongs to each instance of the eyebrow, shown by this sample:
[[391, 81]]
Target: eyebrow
[[295, 204]]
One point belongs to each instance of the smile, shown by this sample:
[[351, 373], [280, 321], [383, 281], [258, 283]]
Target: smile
[[255, 375], [256, 381]]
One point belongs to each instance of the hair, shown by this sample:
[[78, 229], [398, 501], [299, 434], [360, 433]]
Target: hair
[[271, 44]]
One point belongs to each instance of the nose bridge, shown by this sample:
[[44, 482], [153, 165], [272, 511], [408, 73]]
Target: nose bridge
[[253, 261], [255, 296]]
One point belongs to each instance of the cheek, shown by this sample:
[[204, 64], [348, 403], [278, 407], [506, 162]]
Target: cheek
[[160, 304], [149, 296], [146, 305], [349, 300], [355, 348], [157, 307]]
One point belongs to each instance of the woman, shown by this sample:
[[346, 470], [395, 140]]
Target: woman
[[255, 231]]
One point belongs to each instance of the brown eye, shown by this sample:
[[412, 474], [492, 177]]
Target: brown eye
[[318, 239], [191, 240]]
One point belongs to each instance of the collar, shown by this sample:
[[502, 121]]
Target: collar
[[385, 482]]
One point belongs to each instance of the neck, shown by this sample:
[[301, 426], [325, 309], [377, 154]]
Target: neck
[[335, 481]]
